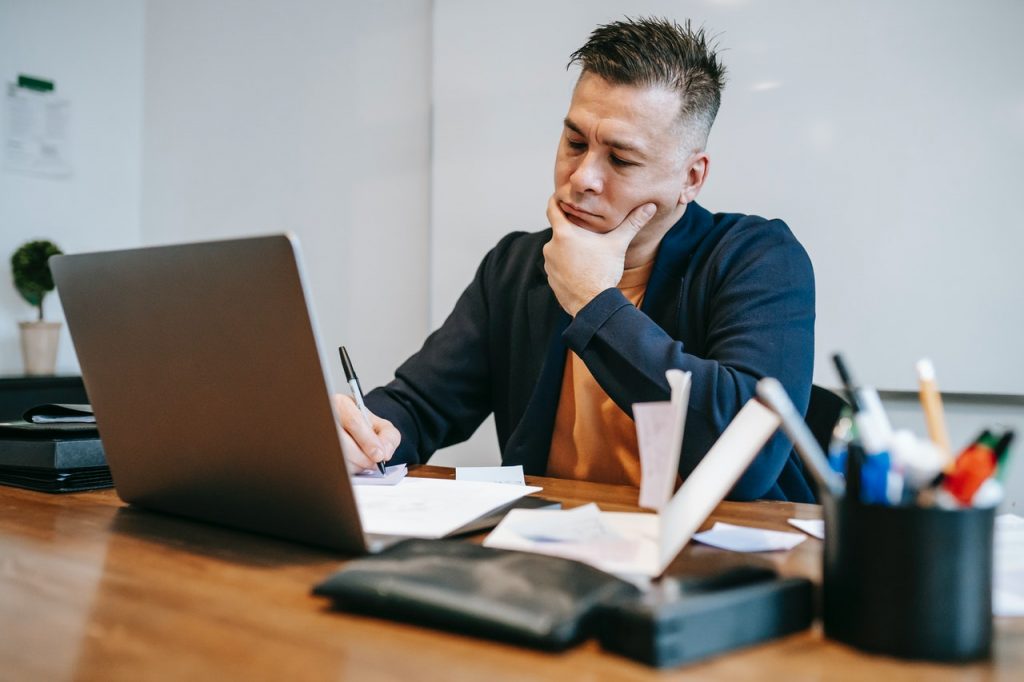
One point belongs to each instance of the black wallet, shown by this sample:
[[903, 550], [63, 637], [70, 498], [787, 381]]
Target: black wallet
[[518, 597]]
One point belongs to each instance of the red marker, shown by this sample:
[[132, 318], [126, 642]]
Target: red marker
[[974, 465]]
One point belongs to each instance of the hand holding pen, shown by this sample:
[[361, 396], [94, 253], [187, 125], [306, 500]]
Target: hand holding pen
[[368, 440]]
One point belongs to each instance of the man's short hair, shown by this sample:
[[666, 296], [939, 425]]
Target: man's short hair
[[652, 52]]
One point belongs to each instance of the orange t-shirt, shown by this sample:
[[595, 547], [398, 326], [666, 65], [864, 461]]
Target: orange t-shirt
[[593, 439]]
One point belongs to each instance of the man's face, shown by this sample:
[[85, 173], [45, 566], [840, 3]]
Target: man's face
[[621, 148]]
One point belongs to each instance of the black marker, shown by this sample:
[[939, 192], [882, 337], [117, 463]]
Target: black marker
[[851, 388]]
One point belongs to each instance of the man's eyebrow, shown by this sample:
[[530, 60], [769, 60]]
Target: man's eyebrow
[[617, 144]]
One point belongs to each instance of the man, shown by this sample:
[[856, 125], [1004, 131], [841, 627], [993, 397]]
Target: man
[[561, 331]]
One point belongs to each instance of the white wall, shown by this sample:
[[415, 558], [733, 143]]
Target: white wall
[[873, 128], [888, 135], [93, 52], [264, 116]]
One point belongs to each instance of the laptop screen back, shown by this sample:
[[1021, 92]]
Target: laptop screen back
[[203, 369]]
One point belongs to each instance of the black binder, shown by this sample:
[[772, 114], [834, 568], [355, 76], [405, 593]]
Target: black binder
[[52, 457], [62, 451]]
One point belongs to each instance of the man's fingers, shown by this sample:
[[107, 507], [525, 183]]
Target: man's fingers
[[355, 425], [553, 210], [635, 222], [389, 436], [556, 217], [355, 459]]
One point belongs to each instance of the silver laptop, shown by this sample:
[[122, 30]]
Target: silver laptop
[[203, 368]]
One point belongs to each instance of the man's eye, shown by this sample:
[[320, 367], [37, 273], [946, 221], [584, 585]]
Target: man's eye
[[578, 146], [622, 163]]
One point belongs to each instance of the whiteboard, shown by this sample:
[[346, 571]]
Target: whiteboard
[[889, 136]]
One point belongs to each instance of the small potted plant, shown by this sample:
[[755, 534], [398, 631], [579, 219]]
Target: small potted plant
[[33, 280]]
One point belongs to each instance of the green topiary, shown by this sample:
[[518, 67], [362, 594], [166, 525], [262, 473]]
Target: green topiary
[[31, 269]]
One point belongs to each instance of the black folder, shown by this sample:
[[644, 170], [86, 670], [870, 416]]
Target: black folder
[[52, 457]]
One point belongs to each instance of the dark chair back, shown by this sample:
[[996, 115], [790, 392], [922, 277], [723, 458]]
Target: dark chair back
[[823, 413]]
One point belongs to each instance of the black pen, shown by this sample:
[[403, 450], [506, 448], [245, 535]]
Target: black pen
[[851, 388], [357, 393]]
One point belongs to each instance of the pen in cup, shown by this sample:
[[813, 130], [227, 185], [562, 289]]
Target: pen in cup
[[877, 486], [772, 393], [931, 402], [357, 393]]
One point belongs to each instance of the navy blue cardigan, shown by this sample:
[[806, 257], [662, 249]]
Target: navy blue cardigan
[[730, 299]]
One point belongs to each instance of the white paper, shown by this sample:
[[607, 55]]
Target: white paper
[[511, 474], [813, 527], [714, 477], [747, 539], [66, 419], [430, 507], [36, 134], [647, 543], [391, 476], [1008, 573], [622, 543], [659, 434], [582, 524]]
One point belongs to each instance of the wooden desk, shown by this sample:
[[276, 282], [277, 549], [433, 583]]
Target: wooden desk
[[92, 589]]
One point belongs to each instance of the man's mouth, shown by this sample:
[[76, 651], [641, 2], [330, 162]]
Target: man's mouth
[[570, 209]]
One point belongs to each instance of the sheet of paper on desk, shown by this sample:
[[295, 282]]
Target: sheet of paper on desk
[[582, 524], [714, 477], [510, 474], [391, 476], [430, 507], [643, 545], [622, 543], [747, 539], [813, 527], [1008, 573]]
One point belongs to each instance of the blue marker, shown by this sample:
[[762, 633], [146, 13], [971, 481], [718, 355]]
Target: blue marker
[[874, 472], [838, 447], [873, 431]]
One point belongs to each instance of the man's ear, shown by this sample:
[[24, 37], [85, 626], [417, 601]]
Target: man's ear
[[696, 173]]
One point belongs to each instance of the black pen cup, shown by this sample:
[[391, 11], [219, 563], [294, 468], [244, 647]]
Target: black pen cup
[[911, 582]]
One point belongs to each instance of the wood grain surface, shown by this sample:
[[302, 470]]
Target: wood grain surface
[[92, 589]]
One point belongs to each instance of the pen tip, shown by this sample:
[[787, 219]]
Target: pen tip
[[346, 364], [844, 372]]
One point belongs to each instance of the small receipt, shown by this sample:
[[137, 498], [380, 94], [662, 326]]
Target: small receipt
[[813, 527], [511, 474], [391, 476], [746, 539]]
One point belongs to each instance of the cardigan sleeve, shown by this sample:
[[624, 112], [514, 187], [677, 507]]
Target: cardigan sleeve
[[758, 296], [441, 394]]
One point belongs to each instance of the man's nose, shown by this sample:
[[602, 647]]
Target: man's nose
[[588, 176]]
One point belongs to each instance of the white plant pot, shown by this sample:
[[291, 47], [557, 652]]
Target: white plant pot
[[39, 346]]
